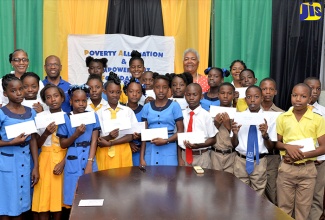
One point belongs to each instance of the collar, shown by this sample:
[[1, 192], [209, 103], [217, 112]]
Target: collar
[[316, 105], [308, 114], [122, 107], [260, 111], [196, 111], [60, 82], [103, 102]]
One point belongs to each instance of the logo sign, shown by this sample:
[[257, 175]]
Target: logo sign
[[310, 11]]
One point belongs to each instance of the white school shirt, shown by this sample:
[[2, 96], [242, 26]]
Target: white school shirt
[[319, 109], [48, 141], [102, 103], [202, 121], [124, 112], [243, 136]]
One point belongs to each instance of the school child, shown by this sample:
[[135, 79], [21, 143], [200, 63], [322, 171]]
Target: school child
[[215, 78], [297, 173], [247, 78], [81, 143], [97, 67], [235, 68], [223, 153], [196, 119], [95, 100], [317, 206], [48, 193], [134, 91], [114, 149], [178, 86], [252, 144], [16, 177], [268, 86], [31, 82], [160, 113], [147, 80]]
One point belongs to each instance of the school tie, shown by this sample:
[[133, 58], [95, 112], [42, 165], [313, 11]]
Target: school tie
[[111, 150], [188, 151], [95, 108], [251, 144]]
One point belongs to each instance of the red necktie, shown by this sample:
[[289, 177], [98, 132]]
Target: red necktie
[[188, 151]]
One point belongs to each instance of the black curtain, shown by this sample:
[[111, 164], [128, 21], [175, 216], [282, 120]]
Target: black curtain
[[296, 48], [135, 17]]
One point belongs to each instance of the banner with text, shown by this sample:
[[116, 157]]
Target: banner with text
[[158, 53]]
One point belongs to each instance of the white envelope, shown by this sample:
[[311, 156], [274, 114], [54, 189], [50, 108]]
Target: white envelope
[[249, 118], [149, 134], [136, 127], [195, 137], [43, 120], [29, 103], [82, 118], [27, 127], [91, 202], [214, 110], [241, 91], [271, 116], [181, 102], [150, 93], [307, 143], [120, 123]]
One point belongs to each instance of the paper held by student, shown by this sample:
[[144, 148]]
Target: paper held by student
[[307, 143], [214, 110], [85, 118], [149, 134], [241, 91], [249, 118], [43, 120], [195, 137], [135, 128], [27, 127]]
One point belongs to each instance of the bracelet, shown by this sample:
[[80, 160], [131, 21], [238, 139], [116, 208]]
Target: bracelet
[[91, 159]]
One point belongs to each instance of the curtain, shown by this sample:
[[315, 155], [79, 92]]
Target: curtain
[[7, 36], [135, 17], [296, 48], [64, 17], [189, 22], [242, 30]]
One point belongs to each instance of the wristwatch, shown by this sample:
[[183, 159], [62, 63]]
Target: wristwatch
[[91, 159], [266, 137]]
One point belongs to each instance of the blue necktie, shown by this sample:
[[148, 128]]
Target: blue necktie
[[251, 144]]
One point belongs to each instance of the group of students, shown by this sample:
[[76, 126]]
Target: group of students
[[172, 101]]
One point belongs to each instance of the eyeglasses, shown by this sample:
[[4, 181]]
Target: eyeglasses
[[52, 64], [18, 60]]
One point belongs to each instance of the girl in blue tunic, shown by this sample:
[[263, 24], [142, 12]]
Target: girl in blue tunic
[[158, 114], [81, 142], [134, 90], [16, 177], [215, 78]]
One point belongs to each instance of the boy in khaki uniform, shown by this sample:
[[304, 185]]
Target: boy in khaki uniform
[[297, 172]]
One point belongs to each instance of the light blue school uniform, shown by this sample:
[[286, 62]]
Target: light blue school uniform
[[207, 101], [158, 117], [136, 155], [76, 157], [15, 170]]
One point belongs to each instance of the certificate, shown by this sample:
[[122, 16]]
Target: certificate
[[149, 134], [249, 118], [120, 123], [195, 137], [271, 116], [307, 143], [241, 91], [150, 93], [214, 110], [82, 118], [135, 128], [181, 102], [29, 103], [43, 120], [27, 127]]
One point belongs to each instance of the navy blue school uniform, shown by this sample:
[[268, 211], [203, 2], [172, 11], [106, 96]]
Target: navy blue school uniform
[[207, 101], [76, 157], [136, 155]]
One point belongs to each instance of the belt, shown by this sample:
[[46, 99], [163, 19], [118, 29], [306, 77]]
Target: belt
[[24, 144], [243, 156], [228, 151], [299, 164], [83, 144], [197, 152], [318, 162], [274, 152]]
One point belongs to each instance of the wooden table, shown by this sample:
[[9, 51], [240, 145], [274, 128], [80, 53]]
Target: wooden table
[[170, 192]]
